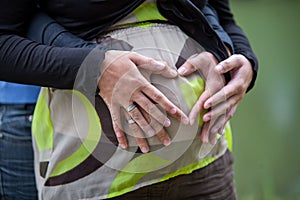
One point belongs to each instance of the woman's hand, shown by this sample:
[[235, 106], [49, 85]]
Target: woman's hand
[[204, 63], [221, 100], [241, 74], [123, 87]]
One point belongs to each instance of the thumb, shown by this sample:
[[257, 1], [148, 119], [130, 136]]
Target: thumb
[[186, 69], [234, 61], [157, 67]]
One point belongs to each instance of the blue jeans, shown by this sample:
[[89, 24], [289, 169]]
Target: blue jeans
[[17, 180]]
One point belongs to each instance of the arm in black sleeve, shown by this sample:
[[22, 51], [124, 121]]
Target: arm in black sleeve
[[240, 42], [45, 30], [25, 61]]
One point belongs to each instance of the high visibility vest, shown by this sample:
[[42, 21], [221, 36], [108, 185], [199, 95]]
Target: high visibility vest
[[75, 149]]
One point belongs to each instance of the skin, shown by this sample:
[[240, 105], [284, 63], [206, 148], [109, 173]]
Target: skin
[[221, 100], [121, 84], [120, 69]]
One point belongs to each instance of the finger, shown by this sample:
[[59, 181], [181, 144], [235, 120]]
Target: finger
[[234, 61], [156, 96], [227, 92], [221, 130], [121, 137], [157, 67], [160, 132], [220, 109], [204, 133], [116, 121], [198, 107], [151, 109], [186, 69], [140, 120], [137, 134], [231, 112], [201, 62], [215, 127], [229, 115]]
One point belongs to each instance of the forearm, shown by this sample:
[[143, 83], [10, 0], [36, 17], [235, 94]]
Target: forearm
[[25, 61], [212, 18], [46, 30], [240, 41]]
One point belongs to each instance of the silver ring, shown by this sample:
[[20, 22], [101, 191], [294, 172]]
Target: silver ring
[[130, 107], [130, 121]]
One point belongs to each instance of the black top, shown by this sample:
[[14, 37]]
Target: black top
[[25, 61]]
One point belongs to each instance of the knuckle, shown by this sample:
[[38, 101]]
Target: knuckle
[[225, 63], [152, 109], [150, 61], [230, 115], [234, 101], [115, 118], [239, 89], [227, 106], [135, 129], [133, 54], [135, 114], [144, 125], [227, 91], [230, 89], [148, 106], [240, 58], [157, 97], [213, 131]]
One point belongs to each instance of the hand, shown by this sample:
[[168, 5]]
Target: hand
[[204, 63], [241, 74], [121, 84]]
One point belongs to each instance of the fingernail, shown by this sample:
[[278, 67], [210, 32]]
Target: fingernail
[[144, 149], [123, 146], [181, 70], [207, 105], [167, 142], [205, 140], [186, 120], [118, 134], [220, 68], [213, 141], [206, 118], [173, 110], [173, 72], [167, 123]]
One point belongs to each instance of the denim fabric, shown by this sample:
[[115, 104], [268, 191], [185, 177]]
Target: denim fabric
[[14, 93], [17, 180]]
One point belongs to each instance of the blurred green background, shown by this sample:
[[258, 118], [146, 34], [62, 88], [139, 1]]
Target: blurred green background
[[267, 124]]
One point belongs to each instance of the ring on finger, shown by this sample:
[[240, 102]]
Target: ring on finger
[[130, 121], [130, 107]]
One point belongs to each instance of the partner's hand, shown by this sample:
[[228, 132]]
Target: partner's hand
[[227, 99], [204, 63], [121, 85], [221, 100]]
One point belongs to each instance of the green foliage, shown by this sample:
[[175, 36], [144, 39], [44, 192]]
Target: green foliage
[[266, 125]]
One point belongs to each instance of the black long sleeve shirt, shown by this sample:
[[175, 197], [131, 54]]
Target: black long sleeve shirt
[[25, 61], [240, 42]]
